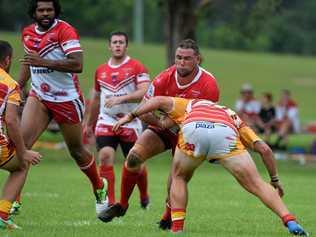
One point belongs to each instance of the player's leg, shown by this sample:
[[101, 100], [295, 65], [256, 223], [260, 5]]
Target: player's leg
[[147, 145], [244, 170], [182, 171], [142, 181], [72, 134], [106, 146], [34, 121], [12, 188]]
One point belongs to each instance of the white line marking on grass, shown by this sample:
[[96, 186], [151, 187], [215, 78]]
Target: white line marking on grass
[[42, 194]]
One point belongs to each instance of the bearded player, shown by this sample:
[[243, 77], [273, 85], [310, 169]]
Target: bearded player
[[53, 56]]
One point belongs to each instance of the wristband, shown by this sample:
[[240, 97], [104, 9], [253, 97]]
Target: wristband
[[133, 114], [274, 178]]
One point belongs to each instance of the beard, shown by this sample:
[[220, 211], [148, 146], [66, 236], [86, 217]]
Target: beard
[[184, 72], [45, 26]]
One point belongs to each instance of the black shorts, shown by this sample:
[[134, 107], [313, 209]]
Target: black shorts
[[113, 141]]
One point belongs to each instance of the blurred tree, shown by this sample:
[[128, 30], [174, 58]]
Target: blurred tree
[[181, 18]]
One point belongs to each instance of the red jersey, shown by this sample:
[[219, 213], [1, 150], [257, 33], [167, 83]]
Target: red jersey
[[118, 80], [203, 86], [56, 43]]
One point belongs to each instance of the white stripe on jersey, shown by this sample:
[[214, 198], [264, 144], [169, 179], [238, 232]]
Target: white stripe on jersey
[[70, 44]]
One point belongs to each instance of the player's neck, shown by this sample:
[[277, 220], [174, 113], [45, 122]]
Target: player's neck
[[117, 61], [189, 78]]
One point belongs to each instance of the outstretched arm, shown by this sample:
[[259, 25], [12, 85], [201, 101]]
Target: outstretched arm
[[163, 103], [252, 141]]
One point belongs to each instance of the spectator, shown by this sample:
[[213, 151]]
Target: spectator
[[287, 118], [247, 107], [266, 122]]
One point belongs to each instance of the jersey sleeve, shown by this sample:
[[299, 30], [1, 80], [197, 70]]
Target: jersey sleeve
[[179, 109], [248, 137], [157, 86], [69, 40], [14, 96], [142, 74], [211, 90]]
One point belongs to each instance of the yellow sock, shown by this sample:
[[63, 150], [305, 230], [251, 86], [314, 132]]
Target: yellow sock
[[5, 206]]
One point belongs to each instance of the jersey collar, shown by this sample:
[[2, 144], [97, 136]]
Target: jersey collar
[[43, 32], [117, 66], [195, 79]]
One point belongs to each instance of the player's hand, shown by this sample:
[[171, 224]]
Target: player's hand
[[114, 100], [33, 59], [126, 119], [278, 186], [32, 157]]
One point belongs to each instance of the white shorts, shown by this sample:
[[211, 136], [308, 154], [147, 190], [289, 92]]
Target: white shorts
[[207, 140]]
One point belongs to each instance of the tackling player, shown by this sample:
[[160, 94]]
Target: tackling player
[[184, 79], [119, 85], [210, 131], [14, 156], [52, 57]]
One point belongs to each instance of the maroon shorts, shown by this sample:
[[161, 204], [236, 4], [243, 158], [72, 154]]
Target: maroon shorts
[[70, 112], [124, 134]]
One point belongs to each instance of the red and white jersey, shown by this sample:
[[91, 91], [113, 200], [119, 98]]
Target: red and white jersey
[[118, 80], [56, 43], [203, 86]]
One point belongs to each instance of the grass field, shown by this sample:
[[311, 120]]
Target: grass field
[[57, 200]]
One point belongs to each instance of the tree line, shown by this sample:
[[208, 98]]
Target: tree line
[[282, 26]]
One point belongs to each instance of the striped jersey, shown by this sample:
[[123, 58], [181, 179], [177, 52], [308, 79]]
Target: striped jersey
[[186, 111], [118, 80], [60, 40]]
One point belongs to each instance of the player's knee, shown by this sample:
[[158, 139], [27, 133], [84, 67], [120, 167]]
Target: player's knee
[[133, 160]]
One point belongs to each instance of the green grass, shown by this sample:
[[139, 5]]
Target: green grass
[[57, 201]]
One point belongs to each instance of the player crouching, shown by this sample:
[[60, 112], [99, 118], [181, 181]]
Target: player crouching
[[210, 131]]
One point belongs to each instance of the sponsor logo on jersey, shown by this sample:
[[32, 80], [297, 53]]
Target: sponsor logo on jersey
[[206, 125], [45, 87], [41, 70], [103, 75], [151, 91], [114, 77]]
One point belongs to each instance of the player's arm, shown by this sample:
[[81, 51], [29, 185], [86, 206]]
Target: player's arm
[[73, 62], [135, 96], [13, 130], [250, 139], [24, 75], [163, 103]]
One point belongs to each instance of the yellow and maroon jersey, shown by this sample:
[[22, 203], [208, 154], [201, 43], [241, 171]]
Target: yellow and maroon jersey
[[185, 111], [9, 93]]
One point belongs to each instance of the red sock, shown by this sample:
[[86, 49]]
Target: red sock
[[90, 170], [128, 183], [108, 173], [178, 216], [143, 184], [287, 218], [167, 214], [18, 198]]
